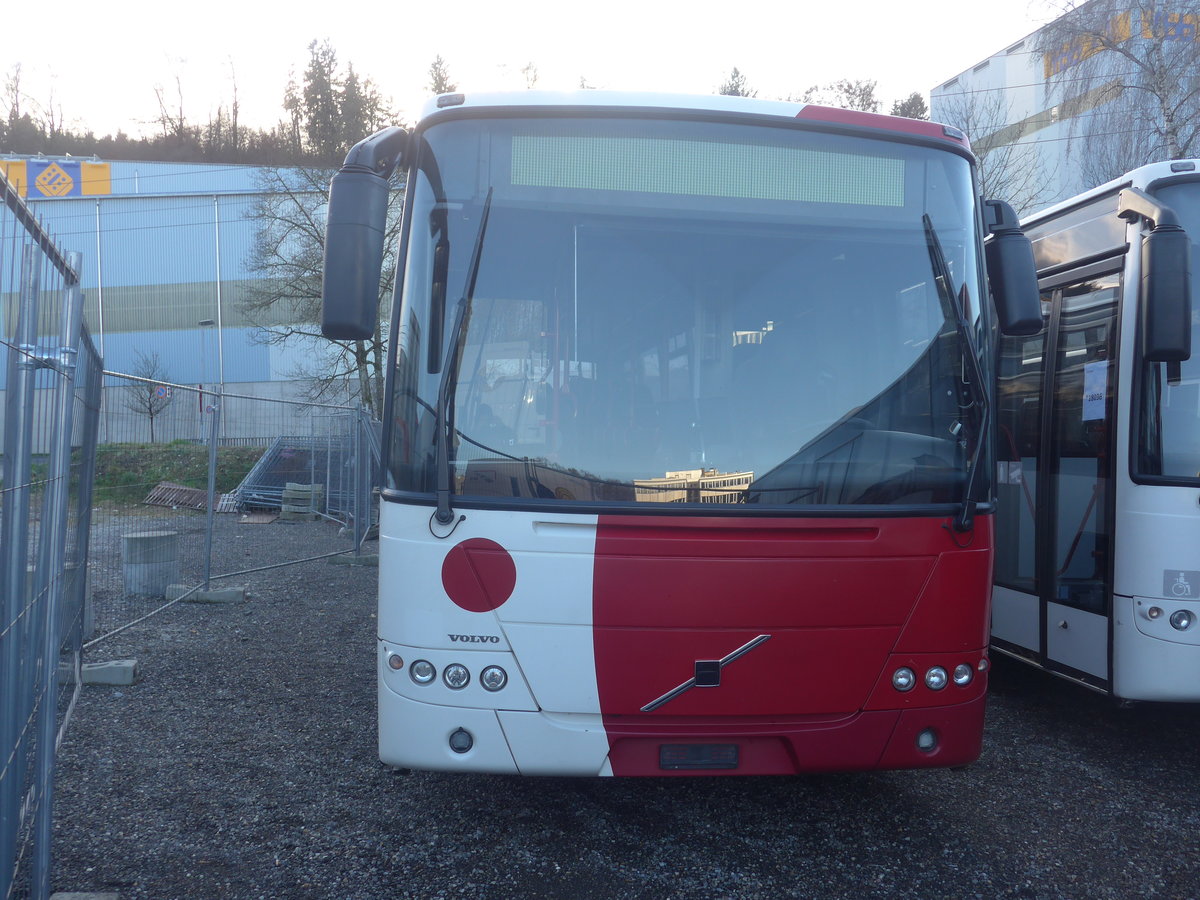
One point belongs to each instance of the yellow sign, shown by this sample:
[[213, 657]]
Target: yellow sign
[[54, 182], [14, 173], [57, 178]]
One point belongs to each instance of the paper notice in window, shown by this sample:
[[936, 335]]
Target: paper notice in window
[[1095, 386]]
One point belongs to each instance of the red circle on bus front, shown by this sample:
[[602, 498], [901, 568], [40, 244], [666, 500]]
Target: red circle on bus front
[[479, 575]]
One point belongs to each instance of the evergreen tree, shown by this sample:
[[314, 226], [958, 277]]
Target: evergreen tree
[[321, 109], [911, 107], [439, 77], [736, 86], [845, 94]]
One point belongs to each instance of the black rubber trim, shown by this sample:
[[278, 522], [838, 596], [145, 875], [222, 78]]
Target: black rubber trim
[[688, 510]]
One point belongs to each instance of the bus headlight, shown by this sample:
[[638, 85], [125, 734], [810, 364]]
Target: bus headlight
[[422, 671], [935, 678], [493, 678], [456, 676], [1182, 619], [903, 679], [963, 674]]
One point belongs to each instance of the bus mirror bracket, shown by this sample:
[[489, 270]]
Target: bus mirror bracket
[[356, 222], [1011, 271], [1164, 293]]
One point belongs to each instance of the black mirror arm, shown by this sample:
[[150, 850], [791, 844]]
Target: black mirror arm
[[1133, 204], [1000, 216], [378, 154]]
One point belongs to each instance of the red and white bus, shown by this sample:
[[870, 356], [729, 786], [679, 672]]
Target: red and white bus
[[687, 468]]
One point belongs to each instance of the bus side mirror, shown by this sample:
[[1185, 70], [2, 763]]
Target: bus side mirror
[[354, 233], [1011, 271], [1165, 291], [1165, 295]]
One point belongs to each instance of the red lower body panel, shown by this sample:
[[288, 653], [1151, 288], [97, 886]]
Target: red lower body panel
[[870, 740], [772, 642]]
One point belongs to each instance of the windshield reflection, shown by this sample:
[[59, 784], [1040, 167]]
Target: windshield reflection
[[727, 356]]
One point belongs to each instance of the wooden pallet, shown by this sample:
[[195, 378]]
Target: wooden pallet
[[179, 496]]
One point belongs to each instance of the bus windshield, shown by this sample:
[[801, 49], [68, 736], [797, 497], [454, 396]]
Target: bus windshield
[[1169, 415], [680, 311]]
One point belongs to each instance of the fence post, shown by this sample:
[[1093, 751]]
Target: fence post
[[212, 483], [15, 698], [52, 552]]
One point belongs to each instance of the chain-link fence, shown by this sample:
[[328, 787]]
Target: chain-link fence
[[160, 505], [117, 493], [51, 398]]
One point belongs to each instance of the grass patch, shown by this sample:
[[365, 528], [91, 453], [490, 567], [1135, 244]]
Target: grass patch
[[125, 473]]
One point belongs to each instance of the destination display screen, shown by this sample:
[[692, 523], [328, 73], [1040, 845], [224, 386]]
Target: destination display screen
[[707, 168]]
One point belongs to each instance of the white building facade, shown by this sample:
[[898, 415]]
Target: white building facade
[[1054, 113]]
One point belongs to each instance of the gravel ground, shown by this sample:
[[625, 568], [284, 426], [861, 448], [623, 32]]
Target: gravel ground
[[242, 765]]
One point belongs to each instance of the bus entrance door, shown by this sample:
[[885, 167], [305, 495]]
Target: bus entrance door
[[1053, 598]]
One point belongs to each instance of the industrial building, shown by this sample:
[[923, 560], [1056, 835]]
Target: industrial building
[[1057, 105], [167, 268]]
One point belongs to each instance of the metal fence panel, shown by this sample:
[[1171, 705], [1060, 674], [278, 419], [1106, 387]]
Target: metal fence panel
[[116, 493], [274, 462], [43, 531]]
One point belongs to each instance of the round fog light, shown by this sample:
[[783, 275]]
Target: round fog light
[[963, 674], [927, 741], [1154, 612], [461, 741], [493, 678], [422, 671], [1182, 619], [395, 663], [456, 676], [935, 678], [903, 679]]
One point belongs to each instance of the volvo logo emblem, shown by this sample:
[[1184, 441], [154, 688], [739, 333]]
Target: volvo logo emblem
[[707, 673]]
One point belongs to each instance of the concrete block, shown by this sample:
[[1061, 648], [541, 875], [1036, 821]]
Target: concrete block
[[150, 561], [236, 594], [349, 559], [115, 671]]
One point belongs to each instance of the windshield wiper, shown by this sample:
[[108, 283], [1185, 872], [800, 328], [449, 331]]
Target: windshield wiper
[[444, 421], [955, 304]]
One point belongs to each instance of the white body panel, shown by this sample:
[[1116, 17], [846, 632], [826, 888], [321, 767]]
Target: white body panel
[[1015, 617], [589, 98], [1077, 638], [549, 718], [1155, 539]]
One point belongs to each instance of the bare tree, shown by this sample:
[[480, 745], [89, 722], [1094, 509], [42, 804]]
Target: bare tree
[[12, 92], [172, 122], [152, 396], [1008, 169], [286, 303], [1128, 73]]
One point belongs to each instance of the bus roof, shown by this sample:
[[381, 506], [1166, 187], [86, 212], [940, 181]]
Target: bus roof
[[1141, 178], [695, 102]]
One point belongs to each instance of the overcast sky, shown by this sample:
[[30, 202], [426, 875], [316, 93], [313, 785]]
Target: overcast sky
[[100, 63]]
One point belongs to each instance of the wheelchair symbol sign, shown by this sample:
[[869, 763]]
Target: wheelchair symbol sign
[[1181, 583]]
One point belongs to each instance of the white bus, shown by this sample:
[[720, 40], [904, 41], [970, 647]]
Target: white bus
[[1098, 445], [686, 435]]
